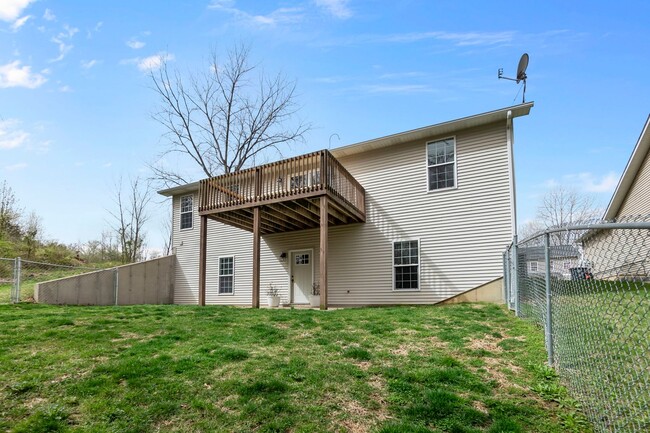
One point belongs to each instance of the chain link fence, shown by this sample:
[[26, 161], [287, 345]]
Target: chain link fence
[[18, 277], [588, 286], [148, 282]]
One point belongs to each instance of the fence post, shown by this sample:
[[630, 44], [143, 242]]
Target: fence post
[[549, 309], [15, 298], [515, 274], [505, 278], [116, 284]]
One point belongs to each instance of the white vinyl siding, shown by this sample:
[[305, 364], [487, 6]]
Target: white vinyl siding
[[637, 201], [462, 231]]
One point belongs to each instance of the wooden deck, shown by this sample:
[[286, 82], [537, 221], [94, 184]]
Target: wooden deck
[[308, 191], [287, 193]]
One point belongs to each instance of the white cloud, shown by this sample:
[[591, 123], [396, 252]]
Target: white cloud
[[400, 88], [586, 182], [135, 44], [10, 10], [11, 136], [49, 15], [276, 17], [19, 23], [14, 75], [60, 40], [398, 75], [65, 89], [153, 62], [459, 39], [337, 8], [87, 64], [15, 167], [593, 183]]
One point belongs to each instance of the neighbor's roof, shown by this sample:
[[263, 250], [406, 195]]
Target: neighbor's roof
[[403, 137], [631, 170], [555, 252]]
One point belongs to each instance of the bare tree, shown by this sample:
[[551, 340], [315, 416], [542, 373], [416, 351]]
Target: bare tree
[[168, 234], [32, 234], [222, 118], [130, 217], [561, 207], [10, 213]]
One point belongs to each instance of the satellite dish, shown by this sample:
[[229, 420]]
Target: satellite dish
[[521, 69], [521, 74]]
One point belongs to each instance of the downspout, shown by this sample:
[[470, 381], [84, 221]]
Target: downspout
[[511, 175], [514, 278]]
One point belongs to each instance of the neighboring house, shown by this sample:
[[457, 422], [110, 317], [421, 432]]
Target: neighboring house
[[563, 258], [625, 254], [412, 218]]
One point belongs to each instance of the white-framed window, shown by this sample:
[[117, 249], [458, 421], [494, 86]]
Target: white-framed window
[[302, 259], [187, 211], [533, 267], [226, 275], [441, 164], [406, 265]]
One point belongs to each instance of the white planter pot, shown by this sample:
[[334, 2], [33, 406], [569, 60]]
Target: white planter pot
[[314, 300], [273, 301]]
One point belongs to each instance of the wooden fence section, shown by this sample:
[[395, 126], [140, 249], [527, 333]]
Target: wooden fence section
[[149, 282], [293, 178]]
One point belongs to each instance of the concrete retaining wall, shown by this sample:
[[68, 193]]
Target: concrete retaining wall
[[150, 282], [491, 292]]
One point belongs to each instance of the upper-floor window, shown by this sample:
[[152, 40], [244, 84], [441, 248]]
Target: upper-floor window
[[186, 212], [441, 164]]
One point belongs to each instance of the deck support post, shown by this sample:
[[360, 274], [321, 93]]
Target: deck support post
[[324, 213], [203, 247], [256, 256]]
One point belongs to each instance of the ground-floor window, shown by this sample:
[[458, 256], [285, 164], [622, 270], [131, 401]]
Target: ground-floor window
[[226, 275], [406, 265]]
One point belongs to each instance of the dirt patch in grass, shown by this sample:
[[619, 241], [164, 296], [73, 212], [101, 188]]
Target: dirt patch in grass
[[487, 343]]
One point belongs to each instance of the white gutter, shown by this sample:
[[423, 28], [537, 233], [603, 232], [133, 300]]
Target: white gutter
[[511, 174]]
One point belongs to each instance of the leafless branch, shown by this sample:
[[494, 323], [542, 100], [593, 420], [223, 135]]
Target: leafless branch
[[223, 118]]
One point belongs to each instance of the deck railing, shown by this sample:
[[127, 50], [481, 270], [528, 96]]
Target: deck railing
[[293, 178]]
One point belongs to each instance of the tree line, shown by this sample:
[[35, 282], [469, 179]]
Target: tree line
[[124, 241]]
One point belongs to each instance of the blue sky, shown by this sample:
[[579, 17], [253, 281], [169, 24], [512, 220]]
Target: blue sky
[[75, 102]]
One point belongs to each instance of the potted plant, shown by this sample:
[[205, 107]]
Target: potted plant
[[314, 300], [272, 296]]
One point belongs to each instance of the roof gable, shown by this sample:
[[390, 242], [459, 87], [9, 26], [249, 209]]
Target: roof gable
[[630, 173]]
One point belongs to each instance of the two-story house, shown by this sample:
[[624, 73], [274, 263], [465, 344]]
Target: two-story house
[[411, 218]]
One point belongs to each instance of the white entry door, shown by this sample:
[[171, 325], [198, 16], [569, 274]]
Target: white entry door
[[301, 270]]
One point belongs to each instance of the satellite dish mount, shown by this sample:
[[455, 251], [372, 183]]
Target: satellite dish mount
[[521, 74]]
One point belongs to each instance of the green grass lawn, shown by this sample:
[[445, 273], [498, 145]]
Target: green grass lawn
[[461, 368]]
